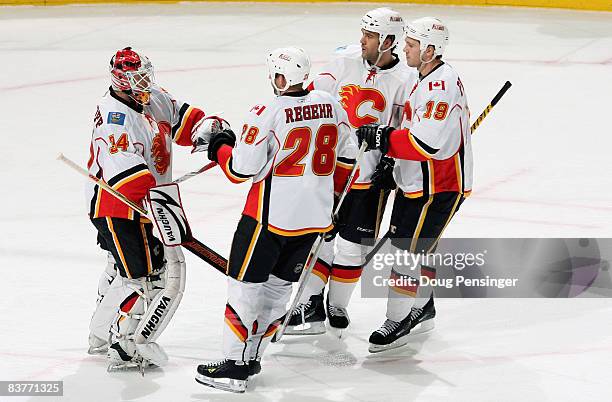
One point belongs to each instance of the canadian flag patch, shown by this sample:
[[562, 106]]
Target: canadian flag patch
[[258, 109], [437, 85]]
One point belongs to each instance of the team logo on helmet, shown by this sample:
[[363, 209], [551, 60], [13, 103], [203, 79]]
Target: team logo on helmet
[[352, 97]]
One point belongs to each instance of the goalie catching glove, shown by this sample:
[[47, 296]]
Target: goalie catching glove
[[203, 131]]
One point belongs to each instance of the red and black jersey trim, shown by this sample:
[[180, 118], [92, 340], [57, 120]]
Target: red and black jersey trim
[[347, 161], [127, 173], [182, 112], [430, 150], [239, 175]]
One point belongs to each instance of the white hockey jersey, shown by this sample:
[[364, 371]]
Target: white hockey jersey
[[298, 149], [434, 147], [131, 148], [367, 95]]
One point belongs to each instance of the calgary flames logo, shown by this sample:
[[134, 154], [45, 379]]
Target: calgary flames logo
[[353, 96], [159, 149]]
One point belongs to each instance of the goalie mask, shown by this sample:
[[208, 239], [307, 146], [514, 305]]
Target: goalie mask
[[385, 22], [132, 73], [292, 62]]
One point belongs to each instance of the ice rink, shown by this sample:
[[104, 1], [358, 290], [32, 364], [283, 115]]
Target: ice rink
[[542, 163]]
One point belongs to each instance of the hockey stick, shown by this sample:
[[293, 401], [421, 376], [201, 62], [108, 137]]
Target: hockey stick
[[485, 112], [316, 248], [194, 245], [189, 175], [473, 128]]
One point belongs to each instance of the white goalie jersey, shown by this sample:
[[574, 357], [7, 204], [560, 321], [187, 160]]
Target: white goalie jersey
[[367, 95], [131, 148], [298, 149]]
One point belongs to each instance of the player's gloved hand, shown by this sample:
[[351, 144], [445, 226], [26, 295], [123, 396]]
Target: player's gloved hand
[[225, 137], [375, 135], [339, 220], [382, 178], [203, 130]]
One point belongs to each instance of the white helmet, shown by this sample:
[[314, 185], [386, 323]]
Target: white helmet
[[292, 62], [384, 21], [429, 31]]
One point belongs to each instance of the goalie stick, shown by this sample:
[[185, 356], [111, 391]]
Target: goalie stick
[[202, 251], [189, 175]]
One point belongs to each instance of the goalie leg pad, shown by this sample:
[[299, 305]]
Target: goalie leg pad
[[100, 345], [166, 301]]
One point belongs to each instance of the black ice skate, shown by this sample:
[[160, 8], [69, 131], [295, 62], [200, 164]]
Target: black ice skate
[[394, 334], [308, 318], [338, 319], [120, 360], [422, 318], [254, 367], [227, 375]]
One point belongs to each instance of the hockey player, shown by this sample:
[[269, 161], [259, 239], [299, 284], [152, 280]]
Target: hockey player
[[434, 172], [372, 86], [134, 126], [298, 151]]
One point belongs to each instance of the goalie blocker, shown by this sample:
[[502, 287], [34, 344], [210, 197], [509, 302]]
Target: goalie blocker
[[166, 208]]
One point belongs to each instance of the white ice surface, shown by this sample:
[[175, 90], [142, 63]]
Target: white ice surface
[[542, 169]]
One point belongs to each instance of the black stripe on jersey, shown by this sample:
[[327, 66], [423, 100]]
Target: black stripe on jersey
[[265, 210], [180, 119], [239, 175], [347, 161], [461, 164], [425, 172], [426, 147], [92, 204], [127, 173]]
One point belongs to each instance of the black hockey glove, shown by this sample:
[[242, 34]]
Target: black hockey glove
[[376, 136], [225, 137], [382, 178], [339, 220]]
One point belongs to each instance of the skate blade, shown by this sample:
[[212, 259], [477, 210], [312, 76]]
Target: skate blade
[[423, 327], [393, 345], [236, 386], [310, 328], [130, 366], [102, 350], [337, 332]]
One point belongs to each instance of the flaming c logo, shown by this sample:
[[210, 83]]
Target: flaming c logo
[[159, 149], [353, 96]]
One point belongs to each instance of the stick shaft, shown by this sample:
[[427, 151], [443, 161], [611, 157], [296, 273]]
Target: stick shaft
[[189, 175], [316, 248], [103, 185], [496, 99]]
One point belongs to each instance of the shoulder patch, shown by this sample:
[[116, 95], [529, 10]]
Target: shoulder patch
[[258, 109], [116, 118], [437, 86]]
